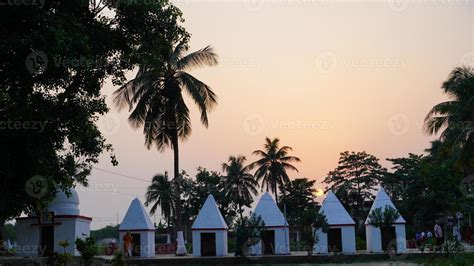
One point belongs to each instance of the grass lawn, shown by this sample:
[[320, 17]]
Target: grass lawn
[[465, 259]]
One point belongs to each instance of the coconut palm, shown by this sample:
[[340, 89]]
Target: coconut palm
[[239, 185], [455, 118], [160, 194], [273, 164], [156, 102]]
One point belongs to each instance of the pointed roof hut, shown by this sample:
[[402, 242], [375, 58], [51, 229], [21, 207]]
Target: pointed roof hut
[[138, 223], [374, 237], [269, 211], [275, 237], [209, 216], [209, 231], [335, 213], [136, 218], [382, 200], [341, 234]]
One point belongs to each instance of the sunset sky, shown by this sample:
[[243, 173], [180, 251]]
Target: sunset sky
[[324, 76]]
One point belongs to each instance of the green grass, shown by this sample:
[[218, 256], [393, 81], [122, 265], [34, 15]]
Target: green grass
[[464, 259]]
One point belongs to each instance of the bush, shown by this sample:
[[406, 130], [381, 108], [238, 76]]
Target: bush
[[118, 259], [360, 244], [87, 248]]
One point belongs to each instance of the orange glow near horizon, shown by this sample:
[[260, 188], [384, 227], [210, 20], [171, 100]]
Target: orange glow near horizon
[[357, 76]]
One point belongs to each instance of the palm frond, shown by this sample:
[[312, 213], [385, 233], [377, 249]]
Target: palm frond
[[200, 58]]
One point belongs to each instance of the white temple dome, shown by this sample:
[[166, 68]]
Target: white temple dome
[[64, 205]]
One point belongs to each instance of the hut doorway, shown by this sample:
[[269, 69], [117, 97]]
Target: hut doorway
[[136, 248], [268, 239], [335, 240], [388, 235], [47, 241], [208, 244]]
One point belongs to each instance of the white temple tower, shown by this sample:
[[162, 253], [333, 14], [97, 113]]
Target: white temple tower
[[209, 231]]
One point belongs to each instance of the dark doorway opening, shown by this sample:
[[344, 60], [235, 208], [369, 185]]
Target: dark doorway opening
[[335, 240], [268, 239], [389, 237], [208, 244], [47, 241], [136, 248]]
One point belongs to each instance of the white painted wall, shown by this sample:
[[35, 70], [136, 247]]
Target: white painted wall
[[27, 238], [348, 240], [282, 241], [321, 247], [374, 238], [147, 242], [281, 244], [65, 231], [401, 238], [221, 242]]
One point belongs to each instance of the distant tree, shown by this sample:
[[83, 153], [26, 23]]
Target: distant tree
[[196, 192], [272, 166], [155, 99], [248, 230], [239, 185], [160, 193], [455, 119], [397, 183], [298, 198], [110, 231], [354, 180]]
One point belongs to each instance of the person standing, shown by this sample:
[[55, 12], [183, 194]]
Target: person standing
[[127, 244], [438, 232]]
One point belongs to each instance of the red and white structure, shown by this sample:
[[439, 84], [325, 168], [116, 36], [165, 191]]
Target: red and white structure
[[40, 235], [138, 222], [209, 231], [275, 238], [374, 234], [341, 236]]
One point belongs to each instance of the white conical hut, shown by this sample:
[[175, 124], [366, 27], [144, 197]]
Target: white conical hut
[[374, 235], [138, 222], [61, 221], [209, 231], [341, 234], [275, 238]]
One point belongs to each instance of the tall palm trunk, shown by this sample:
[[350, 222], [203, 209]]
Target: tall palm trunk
[[275, 187], [177, 177]]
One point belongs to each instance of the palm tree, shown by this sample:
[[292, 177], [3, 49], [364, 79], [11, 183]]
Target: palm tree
[[272, 166], [156, 102], [160, 193], [239, 184], [455, 118]]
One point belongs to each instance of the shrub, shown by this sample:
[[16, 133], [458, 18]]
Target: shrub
[[87, 248]]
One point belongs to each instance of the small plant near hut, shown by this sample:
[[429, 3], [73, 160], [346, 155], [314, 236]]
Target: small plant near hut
[[384, 218], [313, 221], [87, 248], [118, 259], [248, 232], [63, 258]]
